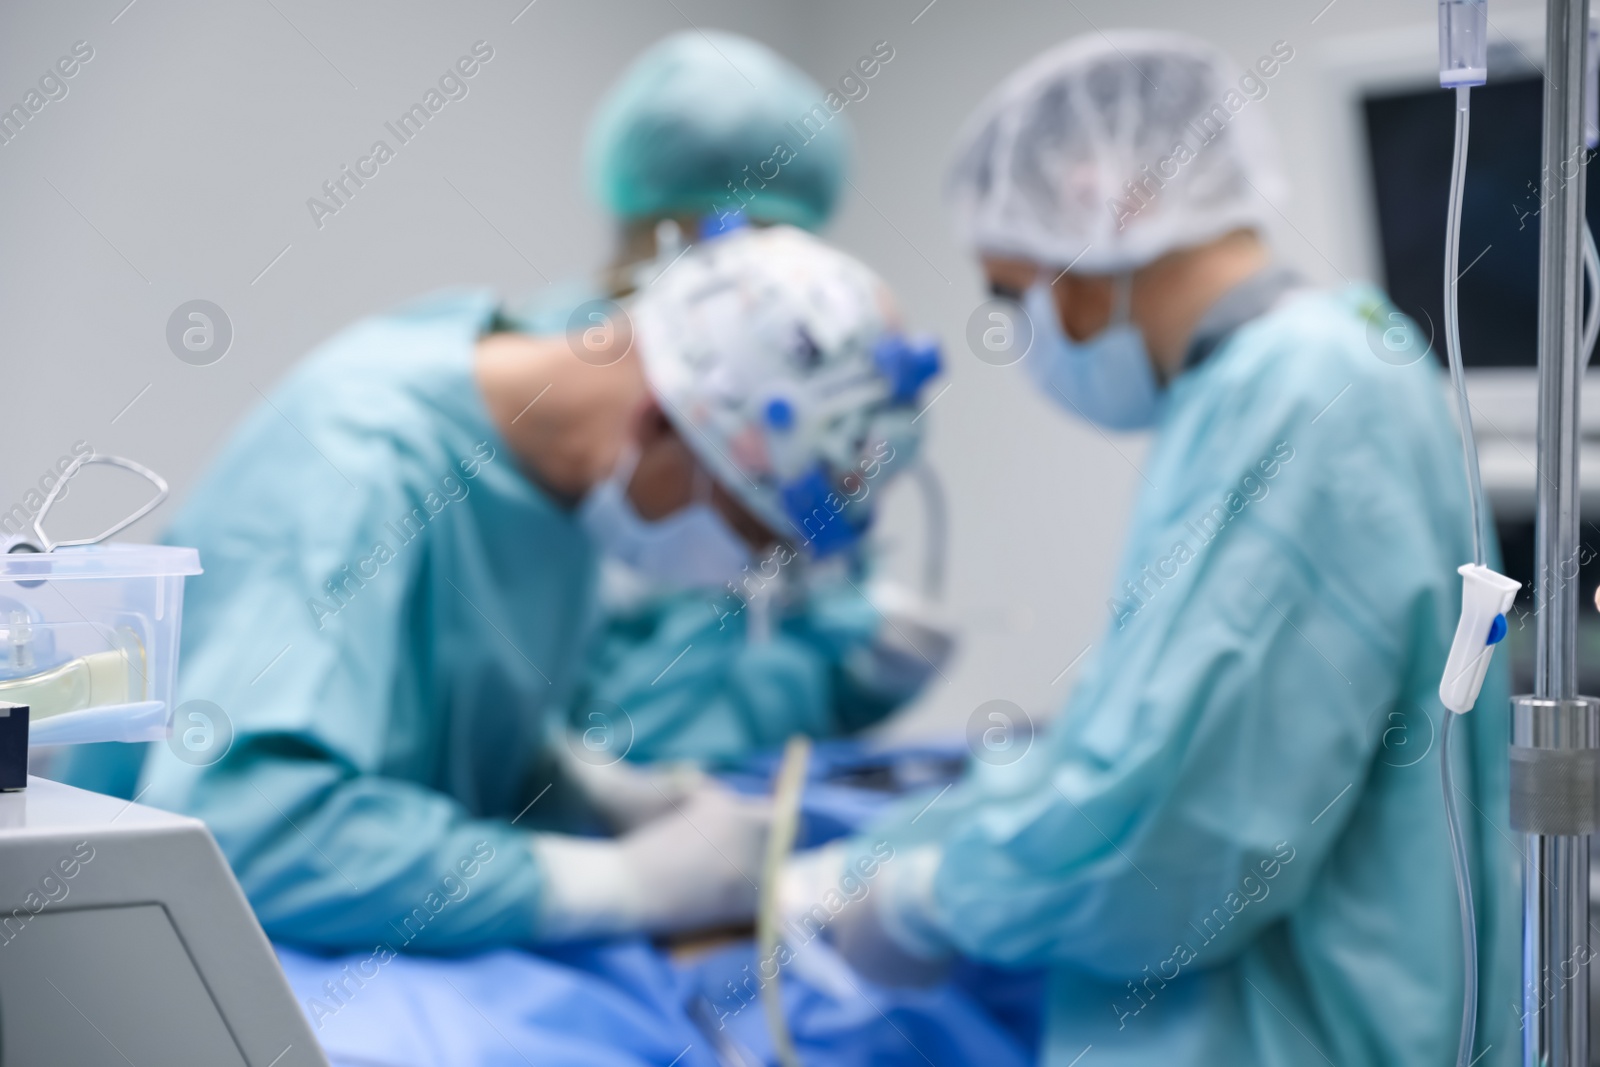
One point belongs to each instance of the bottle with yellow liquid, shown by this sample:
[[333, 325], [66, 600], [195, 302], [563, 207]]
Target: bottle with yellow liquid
[[115, 676]]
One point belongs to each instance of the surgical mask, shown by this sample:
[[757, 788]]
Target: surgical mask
[[691, 548], [1107, 379]]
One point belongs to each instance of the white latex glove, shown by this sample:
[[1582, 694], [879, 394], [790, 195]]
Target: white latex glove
[[804, 918], [695, 868], [886, 933], [627, 795], [804, 883]]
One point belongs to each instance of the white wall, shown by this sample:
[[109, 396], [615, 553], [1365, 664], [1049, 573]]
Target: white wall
[[179, 163]]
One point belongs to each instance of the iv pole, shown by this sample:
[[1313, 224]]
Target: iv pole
[[1555, 733]]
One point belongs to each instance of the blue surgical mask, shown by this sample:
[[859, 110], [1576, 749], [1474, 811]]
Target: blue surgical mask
[[1107, 379], [691, 548]]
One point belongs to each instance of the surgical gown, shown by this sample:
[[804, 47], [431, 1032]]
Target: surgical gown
[[390, 615], [1231, 848]]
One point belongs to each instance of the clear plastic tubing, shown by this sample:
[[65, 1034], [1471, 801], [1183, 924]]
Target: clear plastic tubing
[[1463, 63], [1469, 919], [1452, 316], [1591, 141]]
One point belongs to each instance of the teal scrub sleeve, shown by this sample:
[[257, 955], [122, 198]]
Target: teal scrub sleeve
[[1251, 719], [331, 853], [386, 623]]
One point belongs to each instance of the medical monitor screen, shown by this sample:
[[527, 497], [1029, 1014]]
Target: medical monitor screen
[[1409, 139]]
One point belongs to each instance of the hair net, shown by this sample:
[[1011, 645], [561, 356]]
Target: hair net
[[1111, 150], [780, 362], [676, 135]]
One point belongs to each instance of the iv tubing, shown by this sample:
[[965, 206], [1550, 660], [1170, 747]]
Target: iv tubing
[[937, 523], [1452, 319], [786, 795], [1469, 451], [1469, 921], [1591, 269]]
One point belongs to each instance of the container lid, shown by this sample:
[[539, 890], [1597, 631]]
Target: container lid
[[115, 560]]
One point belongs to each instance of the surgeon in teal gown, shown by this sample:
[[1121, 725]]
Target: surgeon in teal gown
[[369, 687], [669, 143], [1231, 846], [399, 585]]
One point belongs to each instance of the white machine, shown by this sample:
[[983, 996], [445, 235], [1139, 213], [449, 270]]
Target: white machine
[[124, 938]]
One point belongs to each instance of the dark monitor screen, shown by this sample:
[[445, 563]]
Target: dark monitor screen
[[1409, 139]]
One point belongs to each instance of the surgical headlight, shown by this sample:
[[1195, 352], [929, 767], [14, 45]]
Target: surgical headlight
[[825, 504]]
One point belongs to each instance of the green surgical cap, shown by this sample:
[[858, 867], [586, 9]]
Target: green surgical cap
[[709, 123]]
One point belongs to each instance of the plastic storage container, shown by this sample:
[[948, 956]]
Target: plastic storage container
[[89, 639]]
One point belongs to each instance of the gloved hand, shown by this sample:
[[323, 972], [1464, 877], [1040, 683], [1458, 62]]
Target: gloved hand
[[694, 868], [627, 795], [883, 929]]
